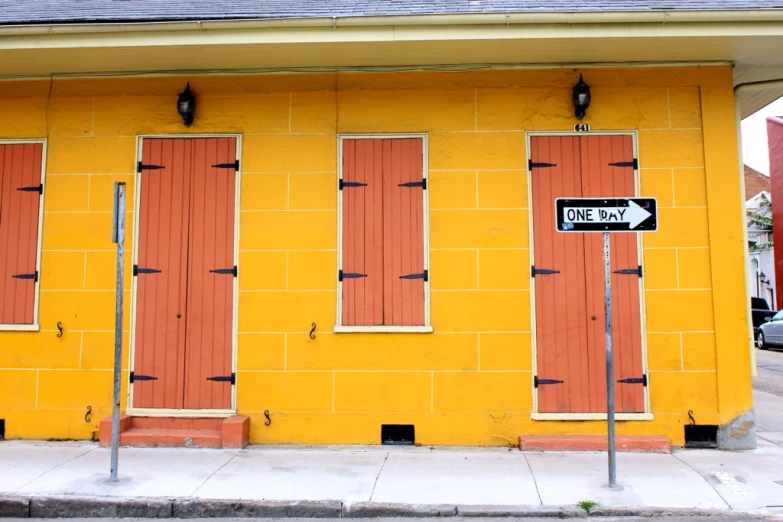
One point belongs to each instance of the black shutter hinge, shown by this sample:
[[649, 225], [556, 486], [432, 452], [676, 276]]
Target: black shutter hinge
[[33, 276], [348, 184], [630, 271], [634, 164], [224, 378], [533, 165], [635, 380], [234, 165], [542, 271], [232, 271], [349, 275], [137, 270], [540, 382], [135, 377], [424, 275], [422, 184], [141, 166], [35, 188]]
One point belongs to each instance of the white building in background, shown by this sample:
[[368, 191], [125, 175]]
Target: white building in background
[[762, 258]]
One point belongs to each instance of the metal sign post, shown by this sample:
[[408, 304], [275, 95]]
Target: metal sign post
[[606, 216], [118, 236]]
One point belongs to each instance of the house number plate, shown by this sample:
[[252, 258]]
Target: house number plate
[[582, 127]]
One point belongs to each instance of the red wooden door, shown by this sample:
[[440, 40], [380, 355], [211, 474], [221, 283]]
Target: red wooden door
[[600, 179], [20, 200], [161, 274], [185, 275], [569, 280], [209, 324]]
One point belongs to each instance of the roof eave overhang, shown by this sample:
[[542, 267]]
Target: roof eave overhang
[[520, 18]]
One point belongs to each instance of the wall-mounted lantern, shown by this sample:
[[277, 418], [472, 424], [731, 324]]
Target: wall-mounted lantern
[[763, 278], [186, 105], [581, 98]]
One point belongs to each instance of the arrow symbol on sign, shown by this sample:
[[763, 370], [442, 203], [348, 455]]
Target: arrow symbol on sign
[[633, 214], [636, 214]]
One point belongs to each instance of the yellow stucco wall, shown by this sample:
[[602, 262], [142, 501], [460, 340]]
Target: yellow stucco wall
[[470, 381]]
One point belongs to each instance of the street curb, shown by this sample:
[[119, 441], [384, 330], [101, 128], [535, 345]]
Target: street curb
[[521, 512], [92, 507], [196, 508], [19, 506], [388, 510], [14, 506]]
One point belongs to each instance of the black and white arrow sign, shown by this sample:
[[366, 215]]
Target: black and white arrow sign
[[606, 215]]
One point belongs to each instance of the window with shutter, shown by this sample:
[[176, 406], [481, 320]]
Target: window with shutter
[[21, 190], [383, 275]]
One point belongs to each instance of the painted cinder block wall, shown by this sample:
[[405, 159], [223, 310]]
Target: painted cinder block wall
[[470, 382]]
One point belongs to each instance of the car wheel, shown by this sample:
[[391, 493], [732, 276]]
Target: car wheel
[[761, 343]]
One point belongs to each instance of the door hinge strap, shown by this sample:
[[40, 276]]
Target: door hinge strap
[[422, 184], [141, 166], [33, 276], [35, 188], [234, 165], [349, 184], [232, 271], [542, 271], [136, 377], [635, 380], [537, 381], [634, 164], [630, 271], [224, 378], [349, 275], [542, 165], [424, 275], [137, 270]]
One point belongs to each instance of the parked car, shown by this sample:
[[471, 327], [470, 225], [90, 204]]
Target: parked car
[[771, 332], [760, 311]]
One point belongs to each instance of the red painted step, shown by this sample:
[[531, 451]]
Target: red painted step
[[644, 443], [230, 432], [171, 438]]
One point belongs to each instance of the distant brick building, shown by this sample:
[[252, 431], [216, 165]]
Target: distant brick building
[[755, 182], [775, 139]]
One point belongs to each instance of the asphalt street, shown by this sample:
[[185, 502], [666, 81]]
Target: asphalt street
[[770, 371]]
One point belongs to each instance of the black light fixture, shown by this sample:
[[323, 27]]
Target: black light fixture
[[763, 278], [186, 105], [581, 98]]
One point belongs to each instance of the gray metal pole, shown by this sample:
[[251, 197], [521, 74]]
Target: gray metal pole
[[609, 363], [119, 237]]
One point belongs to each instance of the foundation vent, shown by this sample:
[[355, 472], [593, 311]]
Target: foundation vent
[[2, 429], [398, 434], [701, 436]]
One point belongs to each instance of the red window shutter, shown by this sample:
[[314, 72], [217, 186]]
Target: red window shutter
[[383, 273], [403, 220], [362, 260], [20, 200]]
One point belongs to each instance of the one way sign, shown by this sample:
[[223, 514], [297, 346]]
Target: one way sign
[[606, 215]]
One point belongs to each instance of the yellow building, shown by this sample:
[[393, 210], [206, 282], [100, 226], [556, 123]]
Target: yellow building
[[350, 235]]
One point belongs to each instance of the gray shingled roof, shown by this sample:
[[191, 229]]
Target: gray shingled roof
[[76, 11]]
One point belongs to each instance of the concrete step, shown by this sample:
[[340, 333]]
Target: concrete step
[[644, 443], [171, 438]]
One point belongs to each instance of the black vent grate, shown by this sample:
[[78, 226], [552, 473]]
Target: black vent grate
[[398, 434]]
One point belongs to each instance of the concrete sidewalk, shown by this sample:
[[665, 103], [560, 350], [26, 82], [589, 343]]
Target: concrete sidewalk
[[379, 479]]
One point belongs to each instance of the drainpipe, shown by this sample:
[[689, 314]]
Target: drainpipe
[[739, 89]]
